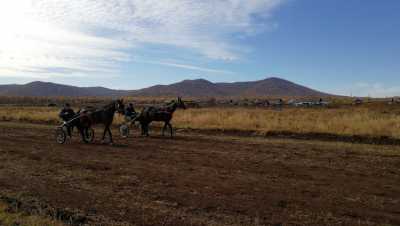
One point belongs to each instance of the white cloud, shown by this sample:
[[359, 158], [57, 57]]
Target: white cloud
[[185, 66], [96, 36]]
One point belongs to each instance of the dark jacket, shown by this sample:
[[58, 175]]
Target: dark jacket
[[130, 111], [66, 114]]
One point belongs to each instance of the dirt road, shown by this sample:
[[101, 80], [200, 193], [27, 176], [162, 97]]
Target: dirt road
[[202, 180]]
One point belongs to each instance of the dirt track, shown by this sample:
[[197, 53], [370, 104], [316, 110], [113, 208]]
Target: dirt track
[[203, 180]]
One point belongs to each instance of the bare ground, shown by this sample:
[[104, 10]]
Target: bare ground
[[200, 179]]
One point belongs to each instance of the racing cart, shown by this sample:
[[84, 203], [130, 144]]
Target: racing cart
[[61, 132], [124, 129]]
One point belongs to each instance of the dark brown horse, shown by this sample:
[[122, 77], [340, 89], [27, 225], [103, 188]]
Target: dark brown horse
[[91, 116], [159, 114]]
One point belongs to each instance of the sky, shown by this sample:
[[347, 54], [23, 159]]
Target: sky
[[348, 47]]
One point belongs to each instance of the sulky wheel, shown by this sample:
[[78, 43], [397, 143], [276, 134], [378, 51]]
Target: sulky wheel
[[60, 135], [124, 130], [89, 135]]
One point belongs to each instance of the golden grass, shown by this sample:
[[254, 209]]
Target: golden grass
[[346, 121], [377, 121], [29, 114], [11, 219]]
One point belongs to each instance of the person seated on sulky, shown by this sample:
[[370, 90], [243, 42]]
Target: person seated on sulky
[[67, 114], [130, 113]]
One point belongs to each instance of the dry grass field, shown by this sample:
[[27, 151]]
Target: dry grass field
[[346, 121], [375, 120]]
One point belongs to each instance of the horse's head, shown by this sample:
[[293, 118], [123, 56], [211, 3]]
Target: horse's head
[[180, 103], [119, 106]]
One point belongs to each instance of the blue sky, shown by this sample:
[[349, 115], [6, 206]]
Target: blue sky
[[338, 46]]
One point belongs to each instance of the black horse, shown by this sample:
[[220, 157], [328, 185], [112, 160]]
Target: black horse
[[91, 116], [159, 114]]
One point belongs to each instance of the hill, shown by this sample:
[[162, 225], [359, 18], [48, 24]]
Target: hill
[[48, 89], [203, 88], [187, 88]]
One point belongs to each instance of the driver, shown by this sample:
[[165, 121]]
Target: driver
[[66, 114], [130, 113]]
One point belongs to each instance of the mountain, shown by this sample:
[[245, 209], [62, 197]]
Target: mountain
[[52, 89], [192, 88], [187, 88], [203, 88]]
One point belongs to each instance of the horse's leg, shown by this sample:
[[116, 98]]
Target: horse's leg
[[70, 130], [82, 132], [142, 128], [109, 134], [163, 129], [147, 129], [170, 129], [104, 135]]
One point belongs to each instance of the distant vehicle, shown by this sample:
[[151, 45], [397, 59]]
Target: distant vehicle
[[323, 103], [261, 103], [276, 102], [358, 101], [303, 104], [291, 102], [310, 103], [395, 101], [192, 104]]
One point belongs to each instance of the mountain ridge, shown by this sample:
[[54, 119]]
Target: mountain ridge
[[272, 86]]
